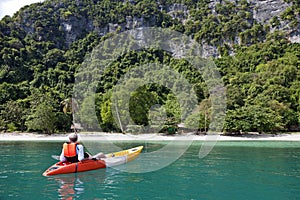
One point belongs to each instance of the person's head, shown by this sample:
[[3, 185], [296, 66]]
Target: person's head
[[73, 137]]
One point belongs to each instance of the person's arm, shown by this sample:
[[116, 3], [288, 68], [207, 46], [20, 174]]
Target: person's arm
[[62, 157], [80, 152]]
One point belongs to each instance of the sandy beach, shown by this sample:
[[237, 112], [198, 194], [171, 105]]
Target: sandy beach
[[148, 137]]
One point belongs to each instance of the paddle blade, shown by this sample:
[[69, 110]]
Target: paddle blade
[[55, 157]]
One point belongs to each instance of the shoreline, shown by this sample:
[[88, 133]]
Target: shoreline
[[148, 137]]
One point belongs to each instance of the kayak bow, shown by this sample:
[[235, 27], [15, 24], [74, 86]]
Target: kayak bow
[[112, 159]]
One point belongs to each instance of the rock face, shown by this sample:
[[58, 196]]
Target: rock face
[[74, 27], [264, 10], [178, 11]]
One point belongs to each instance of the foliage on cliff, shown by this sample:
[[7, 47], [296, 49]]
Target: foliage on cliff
[[43, 45]]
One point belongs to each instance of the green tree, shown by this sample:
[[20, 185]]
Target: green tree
[[14, 115], [252, 118], [87, 113], [42, 118], [108, 122]]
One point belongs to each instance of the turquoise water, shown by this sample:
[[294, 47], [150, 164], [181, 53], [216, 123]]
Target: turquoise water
[[233, 170]]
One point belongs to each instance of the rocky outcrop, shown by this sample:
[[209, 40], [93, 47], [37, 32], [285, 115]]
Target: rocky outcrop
[[264, 10], [74, 26], [178, 11]]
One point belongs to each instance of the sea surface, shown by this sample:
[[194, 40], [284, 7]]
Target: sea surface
[[232, 170]]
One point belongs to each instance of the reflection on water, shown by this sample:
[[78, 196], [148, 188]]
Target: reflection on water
[[73, 186], [70, 187]]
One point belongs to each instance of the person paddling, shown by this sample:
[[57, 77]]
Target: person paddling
[[73, 151]]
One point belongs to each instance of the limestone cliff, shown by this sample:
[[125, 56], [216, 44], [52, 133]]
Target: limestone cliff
[[76, 23]]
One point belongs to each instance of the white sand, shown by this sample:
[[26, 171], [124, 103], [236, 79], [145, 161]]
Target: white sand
[[148, 137]]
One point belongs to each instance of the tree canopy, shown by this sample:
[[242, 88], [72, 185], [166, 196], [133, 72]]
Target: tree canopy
[[44, 44]]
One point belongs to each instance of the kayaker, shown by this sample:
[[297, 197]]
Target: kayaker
[[73, 151]]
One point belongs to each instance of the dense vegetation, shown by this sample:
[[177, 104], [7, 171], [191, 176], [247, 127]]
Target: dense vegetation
[[39, 59]]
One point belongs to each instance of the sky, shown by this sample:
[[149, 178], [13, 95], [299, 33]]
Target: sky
[[9, 7]]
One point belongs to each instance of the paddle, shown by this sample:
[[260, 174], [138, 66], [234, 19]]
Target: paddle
[[55, 157]]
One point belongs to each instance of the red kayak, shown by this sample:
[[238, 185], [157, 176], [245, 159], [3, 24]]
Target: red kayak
[[112, 159]]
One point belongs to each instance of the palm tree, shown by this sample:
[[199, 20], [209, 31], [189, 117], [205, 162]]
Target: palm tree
[[66, 105], [69, 105]]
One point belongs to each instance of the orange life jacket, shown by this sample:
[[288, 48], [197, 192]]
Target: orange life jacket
[[70, 150]]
